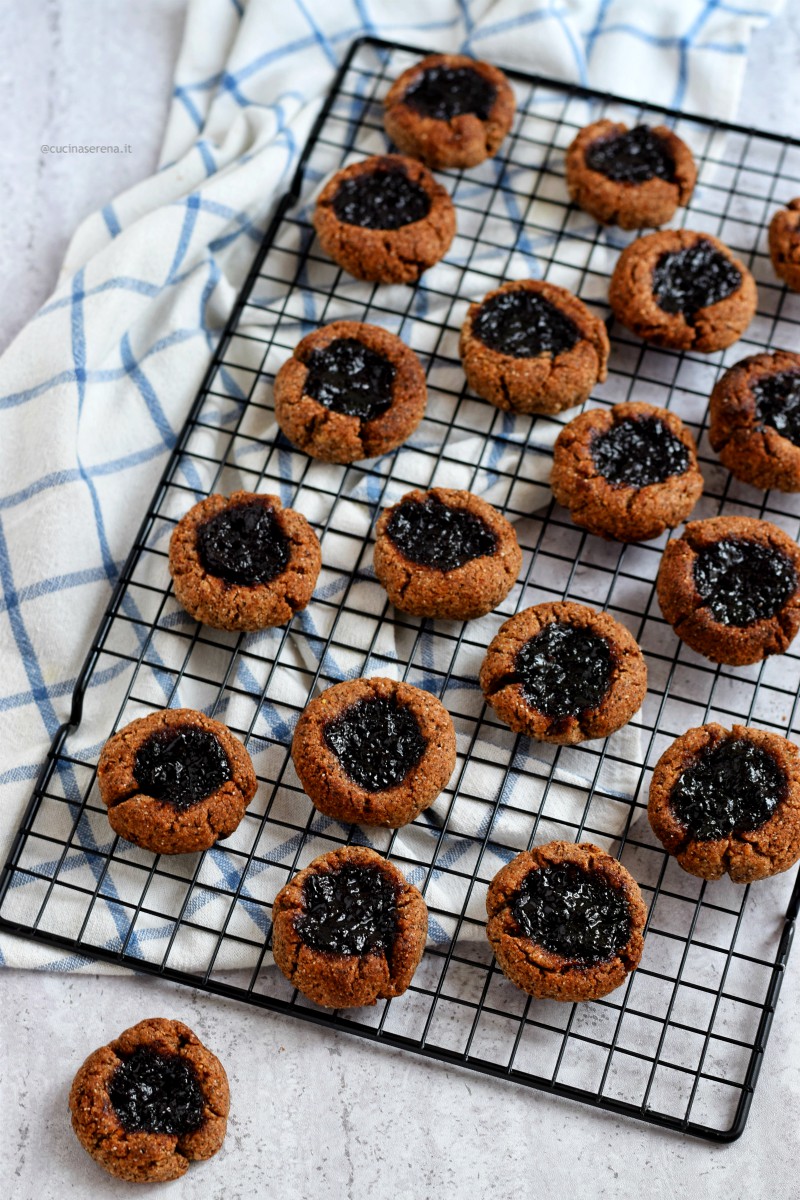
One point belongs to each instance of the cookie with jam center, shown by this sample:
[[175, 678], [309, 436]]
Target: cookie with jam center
[[564, 673], [633, 178], [374, 751], [784, 243], [683, 290], [349, 930], [385, 219], [446, 553], [150, 1102], [532, 347], [350, 391], [566, 921], [755, 420], [627, 472], [730, 588], [728, 802], [243, 562], [175, 781], [449, 110]]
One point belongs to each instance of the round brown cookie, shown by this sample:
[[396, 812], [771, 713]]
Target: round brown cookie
[[728, 802], [348, 930], [627, 472], [566, 921], [243, 562], [445, 553], [150, 1102], [755, 420], [374, 751], [350, 391], [633, 178], [730, 588], [683, 290], [532, 347], [175, 781], [784, 243], [385, 219], [564, 673], [449, 110]]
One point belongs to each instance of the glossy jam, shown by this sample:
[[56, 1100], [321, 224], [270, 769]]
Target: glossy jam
[[564, 671], [777, 400], [632, 157], [244, 544], [684, 281], [347, 377], [437, 536], [181, 766], [524, 324], [733, 788], [351, 911], [447, 92], [572, 913], [377, 742], [742, 581], [638, 452], [156, 1093], [382, 199]]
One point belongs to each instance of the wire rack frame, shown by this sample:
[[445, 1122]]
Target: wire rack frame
[[681, 1044]]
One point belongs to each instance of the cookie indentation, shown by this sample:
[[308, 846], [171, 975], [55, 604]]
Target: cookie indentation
[[181, 766], [777, 400], [687, 280], [572, 913], [733, 788], [564, 670], [377, 742], [447, 92], [523, 324], [632, 157], [350, 911], [243, 544], [382, 199], [156, 1093], [347, 377], [435, 535], [742, 581], [637, 453]]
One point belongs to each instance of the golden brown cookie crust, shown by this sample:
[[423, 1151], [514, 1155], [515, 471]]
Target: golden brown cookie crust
[[463, 141], [532, 966], [747, 856], [629, 205], [547, 383], [338, 437], [631, 297], [623, 698], [148, 1157], [386, 255], [784, 243], [468, 591], [155, 824], [620, 512], [222, 605], [752, 451], [349, 980]]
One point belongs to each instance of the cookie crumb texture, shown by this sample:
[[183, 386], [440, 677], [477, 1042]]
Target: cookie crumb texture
[[532, 347], [566, 921], [729, 587], [564, 673], [244, 562], [633, 178], [150, 1102], [755, 420], [348, 930], [446, 554], [728, 802], [784, 244], [350, 391], [374, 751], [385, 219], [449, 110], [175, 782]]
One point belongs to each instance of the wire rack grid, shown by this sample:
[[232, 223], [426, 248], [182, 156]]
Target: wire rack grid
[[681, 1044]]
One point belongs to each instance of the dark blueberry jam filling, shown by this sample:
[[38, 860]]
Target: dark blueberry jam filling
[[635, 453], [564, 670], [742, 581], [434, 535], [181, 766], [524, 324], [351, 911], [684, 281], [447, 92], [733, 788], [778, 403], [632, 157], [244, 544], [156, 1093], [347, 377], [377, 742], [572, 913], [383, 199]]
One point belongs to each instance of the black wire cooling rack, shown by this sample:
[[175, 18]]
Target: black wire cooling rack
[[681, 1044]]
